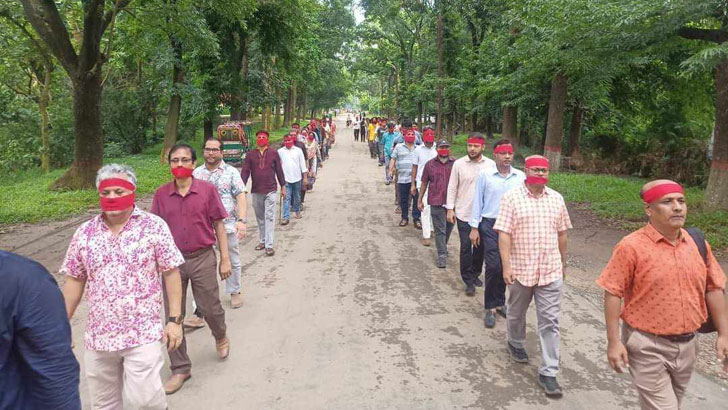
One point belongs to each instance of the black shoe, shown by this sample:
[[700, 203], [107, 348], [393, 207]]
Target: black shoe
[[501, 310], [470, 290], [518, 354], [489, 319], [478, 283], [441, 263], [550, 386]]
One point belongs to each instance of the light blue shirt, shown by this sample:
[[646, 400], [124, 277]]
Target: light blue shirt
[[489, 189]]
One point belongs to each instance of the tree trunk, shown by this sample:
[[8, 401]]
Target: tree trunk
[[555, 122], [716, 193], [287, 109], [207, 130], [171, 129], [45, 122], [510, 123], [277, 123], [438, 125], [489, 126], [419, 115], [293, 103], [575, 136], [88, 153]]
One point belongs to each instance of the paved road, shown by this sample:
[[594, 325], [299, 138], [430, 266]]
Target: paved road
[[352, 314]]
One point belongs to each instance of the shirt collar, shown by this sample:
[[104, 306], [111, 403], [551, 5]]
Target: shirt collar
[[193, 187], [655, 235], [510, 174], [467, 158], [135, 214]]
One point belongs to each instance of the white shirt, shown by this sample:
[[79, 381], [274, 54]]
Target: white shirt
[[422, 155], [293, 163]]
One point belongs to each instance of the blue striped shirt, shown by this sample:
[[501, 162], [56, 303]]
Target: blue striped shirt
[[489, 189], [403, 158]]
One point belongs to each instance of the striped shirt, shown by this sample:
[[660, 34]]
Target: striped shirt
[[489, 190], [534, 224], [461, 188], [403, 158], [437, 174]]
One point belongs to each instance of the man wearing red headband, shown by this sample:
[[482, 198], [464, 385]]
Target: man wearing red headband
[[435, 178], [460, 192], [194, 212], [402, 158], [489, 189], [670, 282], [263, 165], [295, 171], [124, 259], [532, 223], [422, 154]]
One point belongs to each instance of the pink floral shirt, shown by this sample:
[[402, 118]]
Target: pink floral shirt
[[123, 279]]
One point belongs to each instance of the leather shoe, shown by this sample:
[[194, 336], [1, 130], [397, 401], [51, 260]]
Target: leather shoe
[[175, 383], [236, 300], [489, 319], [470, 290], [426, 241], [478, 283], [223, 348]]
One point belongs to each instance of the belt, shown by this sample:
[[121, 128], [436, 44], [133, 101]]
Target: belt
[[679, 338], [194, 254]]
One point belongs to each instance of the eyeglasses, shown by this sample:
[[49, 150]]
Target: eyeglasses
[[212, 149], [178, 160]]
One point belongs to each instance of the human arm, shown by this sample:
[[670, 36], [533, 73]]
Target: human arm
[[452, 190], [279, 173], [72, 294], [245, 172], [616, 352], [392, 162], [173, 331], [563, 240], [413, 189], [423, 188], [304, 167], [225, 267], [715, 300], [505, 225], [476, 211], [504, 248]]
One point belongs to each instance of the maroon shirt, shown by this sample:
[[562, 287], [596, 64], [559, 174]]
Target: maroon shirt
[[437, 175], [190, 217], [264, 168]]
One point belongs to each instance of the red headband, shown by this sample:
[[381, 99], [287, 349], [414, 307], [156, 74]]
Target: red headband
[[503, 149], [657, 192], [476, 140], [537, 162], [116, 182]]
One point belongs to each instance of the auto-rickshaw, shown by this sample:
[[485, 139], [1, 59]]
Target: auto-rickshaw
[[235, 142]]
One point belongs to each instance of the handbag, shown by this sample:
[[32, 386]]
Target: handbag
[[699, 239]]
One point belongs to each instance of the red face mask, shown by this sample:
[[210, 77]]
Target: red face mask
[[182, 172], [428, 137], [288, 143], [262, 141], [443, 152], [117, 204], [409, 138], [535, 180]]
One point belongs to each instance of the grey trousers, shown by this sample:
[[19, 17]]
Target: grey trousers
[[232, 284], [442, 227], [548, 308], [264, 206]]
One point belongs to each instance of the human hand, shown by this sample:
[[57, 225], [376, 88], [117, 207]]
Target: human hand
[[721, 350], [240, 228], [412, 191], [225, 268], [172, 337], [421, 206], [617, 356], [283, 191], [475, 237], [450, 216], [508, 276]]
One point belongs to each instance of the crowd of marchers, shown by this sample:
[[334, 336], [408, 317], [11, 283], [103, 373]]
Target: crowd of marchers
[[662, 280]]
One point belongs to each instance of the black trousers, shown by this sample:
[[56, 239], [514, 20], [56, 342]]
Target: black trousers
[[356, 134], [471, 257], [495, 286]]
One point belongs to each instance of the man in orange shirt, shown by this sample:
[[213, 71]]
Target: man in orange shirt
[[666, 286]]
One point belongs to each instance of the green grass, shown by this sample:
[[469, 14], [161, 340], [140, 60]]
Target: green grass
[[26, 198]]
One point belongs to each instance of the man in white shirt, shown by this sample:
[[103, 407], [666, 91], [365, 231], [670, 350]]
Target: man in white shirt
[[422, 154], [293, 162]]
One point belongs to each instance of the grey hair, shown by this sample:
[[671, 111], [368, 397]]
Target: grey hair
[[109, 171]]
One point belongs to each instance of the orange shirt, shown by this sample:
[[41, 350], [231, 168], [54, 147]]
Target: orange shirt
[[663, 285]]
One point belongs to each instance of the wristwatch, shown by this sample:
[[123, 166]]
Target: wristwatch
[[175, 319], [243, 220]]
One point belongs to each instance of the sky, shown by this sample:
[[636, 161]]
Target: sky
[[358, 13]]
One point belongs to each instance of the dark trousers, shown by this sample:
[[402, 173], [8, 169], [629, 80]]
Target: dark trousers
[[356, 134], [405, 199], [443, 229], [495, 287], [200, 271], [372, 149], [471, 257]]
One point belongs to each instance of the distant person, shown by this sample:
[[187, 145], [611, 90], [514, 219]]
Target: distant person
[[372, 137], [194, 212], [295, 172], [532, 225], [388, 138], [435, 179], [38, 370], [422, 154], [263, 165], [460, 192], [363, 129], [669, 281], [357, 128], [126, 262], [489, 189], [402, 158], [229, 185]]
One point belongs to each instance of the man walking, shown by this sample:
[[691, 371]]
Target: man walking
[[293, 162], [402, 158], [357, 128], [671, 284], [37, 367], [489, 190], [194, 213], [231, 189], [263, 165], [460, 192], [435, 178], [531, 225], [120, 260], [387, 141], [422, 154]]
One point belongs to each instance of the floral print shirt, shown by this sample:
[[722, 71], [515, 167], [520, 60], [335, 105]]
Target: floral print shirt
[[229, 184], [123, 279]]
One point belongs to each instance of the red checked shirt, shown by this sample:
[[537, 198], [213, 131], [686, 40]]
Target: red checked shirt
[[534, 224]]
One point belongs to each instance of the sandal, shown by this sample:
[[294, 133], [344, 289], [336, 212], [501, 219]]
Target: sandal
[[260, 247], [403, 222], [269, 252], [417, 224]]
